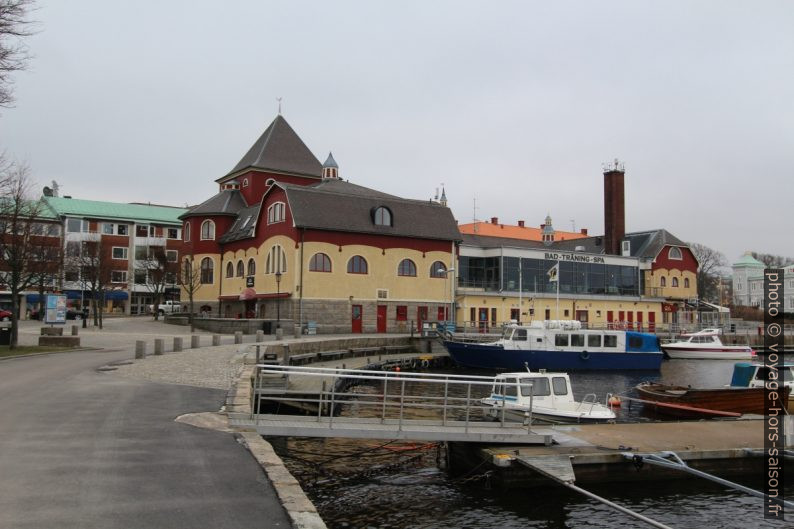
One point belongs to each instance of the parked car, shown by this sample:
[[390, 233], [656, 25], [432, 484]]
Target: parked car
[[5, 315], [71, 314], [167, 307]]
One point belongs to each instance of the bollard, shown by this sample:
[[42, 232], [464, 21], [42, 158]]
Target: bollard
[[195, 341], [238, 337], [260, 336], [140, 349], [158, 346], [177, 344], [74, 330], [297, 329], [279, 333], [216, 339]]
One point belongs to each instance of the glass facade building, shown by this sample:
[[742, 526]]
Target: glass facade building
[[505, 273]]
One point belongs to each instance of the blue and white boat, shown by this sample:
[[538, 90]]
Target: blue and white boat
[[559, 345]]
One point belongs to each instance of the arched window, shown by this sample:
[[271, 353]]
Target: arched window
[[206, 271], [275, 213], [276, 260], [686, 282], [207, 230], [251, 267], [663, 281], [357, 265], [675, 281], [240, 268], [674, 253], [320, 263], [438, 269], [229, 269], [406, 268], [186, 231], [381, 216]]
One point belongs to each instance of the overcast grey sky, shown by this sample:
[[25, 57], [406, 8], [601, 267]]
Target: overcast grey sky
[[514, 104]]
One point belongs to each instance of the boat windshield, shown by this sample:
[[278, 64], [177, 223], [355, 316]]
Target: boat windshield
[[539, 387], [507, 333], [761, 374]]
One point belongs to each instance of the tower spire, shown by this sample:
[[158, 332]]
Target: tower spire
[[330, 167]]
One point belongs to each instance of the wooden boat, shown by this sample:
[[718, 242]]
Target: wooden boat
[[548, 397], [727, 399]]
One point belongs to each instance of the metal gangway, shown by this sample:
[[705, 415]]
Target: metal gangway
[[395, 405]]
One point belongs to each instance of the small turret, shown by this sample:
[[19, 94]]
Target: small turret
[[443, 197], [330, 167], [547, 231]]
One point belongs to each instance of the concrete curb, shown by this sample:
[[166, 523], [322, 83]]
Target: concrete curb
[[299, 507], [60, 351]]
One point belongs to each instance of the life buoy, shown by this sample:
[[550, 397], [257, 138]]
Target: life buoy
[[584, 355], [425, 364]]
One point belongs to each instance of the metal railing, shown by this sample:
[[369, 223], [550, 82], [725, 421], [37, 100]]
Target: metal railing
[[399, 396]]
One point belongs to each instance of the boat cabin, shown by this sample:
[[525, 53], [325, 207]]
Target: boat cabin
[[569, 336], [544, 389], [753, 375]]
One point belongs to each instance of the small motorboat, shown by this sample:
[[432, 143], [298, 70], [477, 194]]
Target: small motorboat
[[706, 344], [690, 402], [542, 396], [756, 375]]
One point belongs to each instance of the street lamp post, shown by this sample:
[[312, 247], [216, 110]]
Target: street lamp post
[[278, 299], [451, 312]]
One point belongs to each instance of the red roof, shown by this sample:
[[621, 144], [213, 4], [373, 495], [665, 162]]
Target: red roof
[[526, 233]]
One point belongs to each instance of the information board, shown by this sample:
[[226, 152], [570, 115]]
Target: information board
[[55, 309]]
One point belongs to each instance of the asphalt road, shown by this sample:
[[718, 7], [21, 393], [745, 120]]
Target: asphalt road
[[83, 448]]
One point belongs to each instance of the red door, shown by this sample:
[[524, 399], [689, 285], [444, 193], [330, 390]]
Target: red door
[[639, 320], [442, 314], [630, 320], [610, 319], [356, 323], [381, 318], [621, 320], [651, 322], [421, 317]]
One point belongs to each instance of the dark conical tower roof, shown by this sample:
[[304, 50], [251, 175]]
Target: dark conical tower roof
[[281, 150]]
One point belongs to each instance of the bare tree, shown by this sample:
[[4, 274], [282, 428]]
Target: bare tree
[[161, 274], [92, 261], [14, 27], [21, 247], [710, 265], [773, 261], [190, 280]]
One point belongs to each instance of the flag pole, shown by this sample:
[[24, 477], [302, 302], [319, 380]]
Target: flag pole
[[558, 290]]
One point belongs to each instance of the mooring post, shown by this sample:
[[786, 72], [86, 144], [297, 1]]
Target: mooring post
[[140, 349], [158, 346], [216, 340], [260, 336], [74, 330], [177, 344], [195, 340], [238, 337]]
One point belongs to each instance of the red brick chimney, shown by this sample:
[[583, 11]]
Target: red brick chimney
[[494, 220], [583, 231], [520, 223], [614, 208]]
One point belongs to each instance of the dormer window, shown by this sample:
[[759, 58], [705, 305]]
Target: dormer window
[[381, 216], [275, 213], [675, 253], [245, 182]]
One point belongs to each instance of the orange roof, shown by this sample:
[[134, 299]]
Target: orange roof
[[526, 233]]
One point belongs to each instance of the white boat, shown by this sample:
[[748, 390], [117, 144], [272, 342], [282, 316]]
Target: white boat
[[756, 375], [545, 396], [706, 344]]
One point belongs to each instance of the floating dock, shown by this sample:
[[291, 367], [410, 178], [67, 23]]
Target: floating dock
[[602, 453]]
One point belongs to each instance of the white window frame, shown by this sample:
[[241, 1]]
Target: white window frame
[[210, 236], [169, 253], [186, 231], [124, 276], [275, 213], [125, 252], [678, 254], [276, 260], [178, 234], [112, 228]]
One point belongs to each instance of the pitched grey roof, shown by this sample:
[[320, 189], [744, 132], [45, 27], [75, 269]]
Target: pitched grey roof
[[227, 202], [649, 243], [337, 205], [484, 241], [243, 226], [280, 149]]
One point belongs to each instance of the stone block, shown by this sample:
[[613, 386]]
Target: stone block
[[177, 344], [52, 331], [158, 346], [216, 339], [60, 341], [195, 341]]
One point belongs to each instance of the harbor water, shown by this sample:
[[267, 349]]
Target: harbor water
[[377, 484]]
